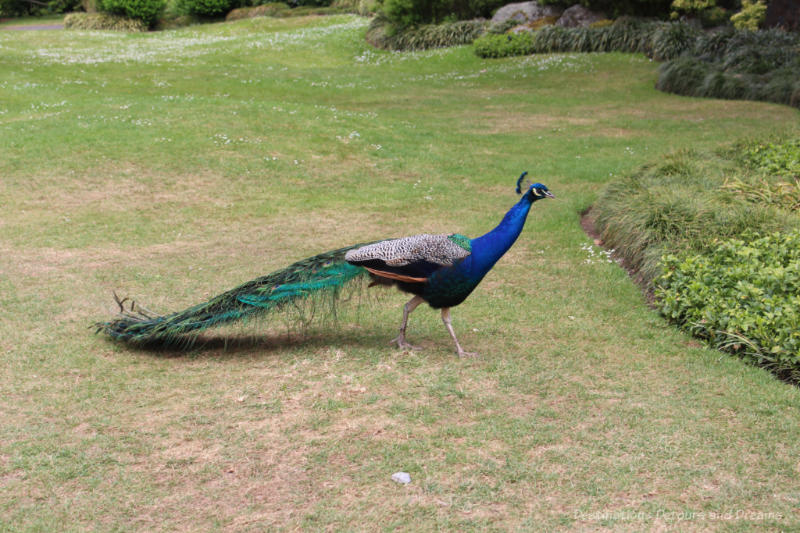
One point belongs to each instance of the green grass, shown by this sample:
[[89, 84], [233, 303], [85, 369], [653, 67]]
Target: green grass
[[171, 166], [31, 21]]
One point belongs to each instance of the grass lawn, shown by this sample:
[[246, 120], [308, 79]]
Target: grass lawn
[[172, 166]]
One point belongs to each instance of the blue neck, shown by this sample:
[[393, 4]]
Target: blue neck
[[486, 250]]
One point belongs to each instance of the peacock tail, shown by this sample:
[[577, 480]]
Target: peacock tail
[[323, 274]]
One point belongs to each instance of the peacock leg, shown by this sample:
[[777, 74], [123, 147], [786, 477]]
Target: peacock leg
[[449, 325], [400, 340]]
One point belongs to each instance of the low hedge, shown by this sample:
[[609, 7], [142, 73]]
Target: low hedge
[[102, 21], [742, 297]]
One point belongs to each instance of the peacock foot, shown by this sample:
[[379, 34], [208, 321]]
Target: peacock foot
[[401, 343], [462, 353]]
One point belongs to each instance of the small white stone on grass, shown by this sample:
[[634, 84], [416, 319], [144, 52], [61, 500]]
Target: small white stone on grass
[[401, 477]]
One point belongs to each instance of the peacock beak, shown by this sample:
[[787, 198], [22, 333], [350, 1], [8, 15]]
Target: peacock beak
[[549, 194]]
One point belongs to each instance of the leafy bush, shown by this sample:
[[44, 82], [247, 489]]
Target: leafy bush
[[743, 297], [751, 16], [690, 7], [503, 45], [145, 10], [710, 13], [102, 21], [780, 159], [206, 8], [427, 36]]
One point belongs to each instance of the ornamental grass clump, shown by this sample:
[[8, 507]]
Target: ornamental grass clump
[[686, 203], [382, 35], [734, 64], [102, 21], [658, 40]]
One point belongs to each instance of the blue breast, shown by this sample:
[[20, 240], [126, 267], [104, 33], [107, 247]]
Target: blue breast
[[448, 287]]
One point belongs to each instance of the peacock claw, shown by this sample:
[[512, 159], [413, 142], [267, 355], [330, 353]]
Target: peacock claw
[[462, 354], [402, 344]]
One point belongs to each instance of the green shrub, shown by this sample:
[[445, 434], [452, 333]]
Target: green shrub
[[780, 159], [428, 36], [503, 45], [145, 10], [206, 8], [751, 16], [102, 21], [690, 7], [743, 296]]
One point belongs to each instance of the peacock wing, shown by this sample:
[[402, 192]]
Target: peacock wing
[[410, 259]]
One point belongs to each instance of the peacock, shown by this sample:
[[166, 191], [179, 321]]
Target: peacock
[[441, 270]]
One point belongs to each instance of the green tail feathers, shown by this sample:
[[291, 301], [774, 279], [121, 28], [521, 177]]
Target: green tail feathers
[[326, 272]]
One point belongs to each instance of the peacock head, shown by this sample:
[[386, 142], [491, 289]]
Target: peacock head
[[536, 190], [539, 191]]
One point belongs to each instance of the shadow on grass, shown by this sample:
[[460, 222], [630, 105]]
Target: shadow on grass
[[266, 344]]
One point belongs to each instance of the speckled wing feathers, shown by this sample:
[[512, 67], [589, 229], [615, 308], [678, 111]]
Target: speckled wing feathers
[[438, 249]]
